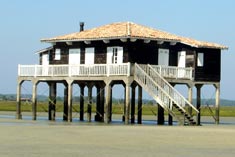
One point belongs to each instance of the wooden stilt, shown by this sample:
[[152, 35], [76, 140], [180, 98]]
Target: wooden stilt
[[89, 105], [133, 103], [98, 105], [127, 107], [34, 101], [199, 103], [139, 121], [124, 104], [170, 119], [217, 103], [110, 103], [82, 102], [70, 91], [102, 98], [190, 99], [18, 99], [65, 115], [107, 102], [52, 101], [160, 115]]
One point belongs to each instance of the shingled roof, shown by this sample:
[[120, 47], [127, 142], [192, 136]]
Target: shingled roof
[[129, 30]]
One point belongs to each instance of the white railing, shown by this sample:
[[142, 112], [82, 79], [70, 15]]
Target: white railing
[[99, 70], [74, 70], [174, 72]]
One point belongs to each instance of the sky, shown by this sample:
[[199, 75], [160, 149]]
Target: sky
[[23, 23]]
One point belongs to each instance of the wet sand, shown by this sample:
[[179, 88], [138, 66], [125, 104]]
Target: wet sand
[[43, 138]]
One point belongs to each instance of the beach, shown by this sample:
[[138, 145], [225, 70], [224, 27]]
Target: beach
[[59, 139]]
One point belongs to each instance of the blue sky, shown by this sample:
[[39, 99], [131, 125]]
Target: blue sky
[[25, 22]]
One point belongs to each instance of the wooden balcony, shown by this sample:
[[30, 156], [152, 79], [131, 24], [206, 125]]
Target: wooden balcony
[[99, 70]]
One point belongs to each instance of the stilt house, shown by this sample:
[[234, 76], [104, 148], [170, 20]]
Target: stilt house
[[134, 56]]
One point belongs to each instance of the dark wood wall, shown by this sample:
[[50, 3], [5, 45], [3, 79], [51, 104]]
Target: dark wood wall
[[211, 70], [147, 53]]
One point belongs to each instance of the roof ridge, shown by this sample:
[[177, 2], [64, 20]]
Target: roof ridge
[[128, 28]]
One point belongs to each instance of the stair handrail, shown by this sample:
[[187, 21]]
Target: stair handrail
[[172, 95], [157, 85], [173, 90], [142, 77]]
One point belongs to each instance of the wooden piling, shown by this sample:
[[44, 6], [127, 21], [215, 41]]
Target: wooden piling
[[81, 101], [199, 103], [217, 103], [133, 103], [160, 115], [18, 99], [34, 101], [65, 113], [139, 118], [52, 100], [89, 105]]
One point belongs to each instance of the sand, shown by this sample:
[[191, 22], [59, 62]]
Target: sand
[[19, 138]]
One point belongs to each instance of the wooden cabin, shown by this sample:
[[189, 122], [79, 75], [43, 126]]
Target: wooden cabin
[[129, 54]]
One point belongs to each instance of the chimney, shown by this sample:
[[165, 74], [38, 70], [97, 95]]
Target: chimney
[[81, 26]]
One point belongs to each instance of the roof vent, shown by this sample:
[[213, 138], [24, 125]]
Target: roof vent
[[81, 26]]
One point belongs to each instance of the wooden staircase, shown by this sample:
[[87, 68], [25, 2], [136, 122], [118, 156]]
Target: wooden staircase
[[165, 95]]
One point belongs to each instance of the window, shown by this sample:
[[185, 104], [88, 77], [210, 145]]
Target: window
[[200, 59], [57, 54]]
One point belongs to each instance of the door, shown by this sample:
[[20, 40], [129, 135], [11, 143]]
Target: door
[[90, 55], [114, 55], [74, 61], [181, 64], [163, 57], [74, 56], [45, 63], [45, 59]]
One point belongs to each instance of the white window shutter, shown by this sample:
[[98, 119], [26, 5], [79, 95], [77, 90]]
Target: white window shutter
[[45, 59], [74, 56], [57, 54], [90, 55], [109, 55], [200, 59], [120, 55], [163, 57], [182, 59]]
